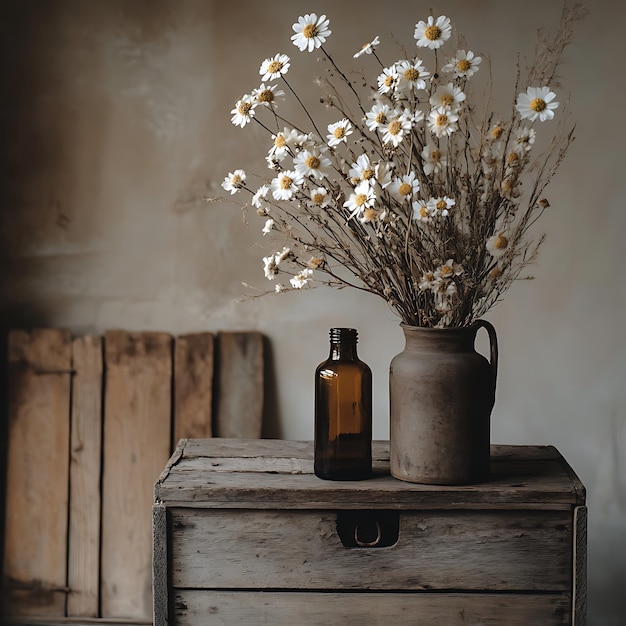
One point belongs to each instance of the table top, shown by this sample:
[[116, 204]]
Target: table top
[[272, 473]]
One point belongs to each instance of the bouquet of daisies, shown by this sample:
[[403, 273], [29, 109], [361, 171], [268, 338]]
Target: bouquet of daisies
[[415, 192]]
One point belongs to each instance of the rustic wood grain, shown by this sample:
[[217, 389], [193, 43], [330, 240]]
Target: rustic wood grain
[[35, 549], [160, 590], [85, 474], [193, 386], [579, 595], [136, 447], [239, 385], [461, 550], [338, 609], [273, 473]]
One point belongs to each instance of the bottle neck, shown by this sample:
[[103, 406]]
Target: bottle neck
[[343, 344]]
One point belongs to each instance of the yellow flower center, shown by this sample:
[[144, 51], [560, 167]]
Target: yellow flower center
[[405, 189], [435, 155], [360, 199], [369, 215], [411, 74], [368, 173], [339, 132], [423, 211], [236, 180], [446, 270], [432, 32], [496, 272], [497, 131], [394, 127], [318, 198], [312, 162], [285, 182], [274, 67], [442, 120], [538, 105], [441, 206], [280, 141], [513, 158], [463, 65], [267, 95], [447, 99], [500, 242], [389, 80], [381, 118], [310, 31], [244, 108], [366, 45]]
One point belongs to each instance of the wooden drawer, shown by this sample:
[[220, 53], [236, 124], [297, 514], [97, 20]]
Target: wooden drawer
[[244, 533]]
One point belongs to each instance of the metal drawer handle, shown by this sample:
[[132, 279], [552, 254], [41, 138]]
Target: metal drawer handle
[[368, 544]]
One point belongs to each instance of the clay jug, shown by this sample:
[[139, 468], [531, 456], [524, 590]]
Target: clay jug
[[441, 394]]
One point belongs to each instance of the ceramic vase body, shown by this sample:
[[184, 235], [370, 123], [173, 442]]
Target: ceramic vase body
[[441, 394]]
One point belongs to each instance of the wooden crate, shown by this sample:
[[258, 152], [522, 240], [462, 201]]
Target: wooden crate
[[91, 422], [246, 534]]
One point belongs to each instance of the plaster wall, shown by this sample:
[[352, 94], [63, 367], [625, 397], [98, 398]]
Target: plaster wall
[[115, 127]]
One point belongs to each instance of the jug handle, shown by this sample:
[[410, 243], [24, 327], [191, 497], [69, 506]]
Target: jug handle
[[493, 344]]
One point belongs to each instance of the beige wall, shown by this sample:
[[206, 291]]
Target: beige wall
[[115, 124]]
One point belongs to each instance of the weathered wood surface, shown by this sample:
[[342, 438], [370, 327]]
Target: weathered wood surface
[[85, 474], [35, 548], [579, 595], [279, 474], [460, 550], [76, 621], [239, 385], [193, 386], [136, 447], [160, 579], [338, 609]]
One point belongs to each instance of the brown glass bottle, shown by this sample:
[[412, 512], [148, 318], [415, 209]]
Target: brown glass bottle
[[343, 411]]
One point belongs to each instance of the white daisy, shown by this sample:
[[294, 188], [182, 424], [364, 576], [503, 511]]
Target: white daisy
[[406, 187], [396, 129], [338, 132], [497, 245], [447, 98], [433, 33], [270, 267], [311, 32], [463, 64], [286, 142], [320, 197], [234, 181], [267, 95], [269, 224], [434, 160], [280, 288], [440, 206], [378, 116], [384, 172], [411, 75], [448, 270], [369, 216], [243, 111], [537, 102], [260, 194], [388, 80], [285, 253], [363, 169], [428, 282], [274, 68], [285, 185], [301, 278], [524, 138], [421, 212], [311, 163], [362, 198], [367, 48], [442, 124]]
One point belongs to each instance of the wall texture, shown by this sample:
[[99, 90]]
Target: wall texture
[[115, 127]]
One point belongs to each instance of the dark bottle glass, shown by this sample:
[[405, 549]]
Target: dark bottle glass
[[343, 411]]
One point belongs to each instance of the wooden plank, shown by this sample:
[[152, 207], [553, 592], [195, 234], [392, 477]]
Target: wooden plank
[[579, 595], [137, 432], [280, 473], [160, 566], [35, 554], [239, 385], [77, 621], [193, 607], [193, 386], [85, 474], [435, 550]]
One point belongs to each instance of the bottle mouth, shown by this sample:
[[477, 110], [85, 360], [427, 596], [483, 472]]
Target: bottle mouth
[[343, 334]]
